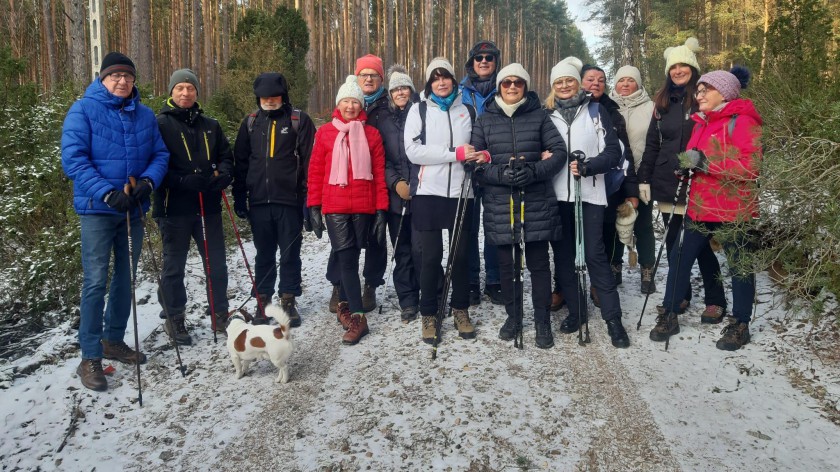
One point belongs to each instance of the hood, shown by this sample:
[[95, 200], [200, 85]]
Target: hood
[[97, 91], [739, 106], [484, 46], [187, 115], [271, 84]]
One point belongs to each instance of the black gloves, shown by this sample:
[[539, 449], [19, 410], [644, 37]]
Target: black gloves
[[240, 207], [580, 157], [219, 182], [196, 182], [379, 225], [307, 220], [142, 190], [524, 176], [507, 176], [317, 221], [119, 201]]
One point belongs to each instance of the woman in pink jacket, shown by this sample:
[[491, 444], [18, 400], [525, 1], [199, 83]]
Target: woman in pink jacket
[[722, 163]]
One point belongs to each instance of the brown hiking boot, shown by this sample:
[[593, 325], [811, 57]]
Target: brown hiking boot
[[735, 335], [369, 298], [287, 303], [660, 309], [177, 330], [119, 351], [334, 300], [666, 326], [593, 294], [358, 329], [713, 314], [557, 301], [463, 324], [428, 332], [91, 375], [648, 285], [343, 315], [259, 316]]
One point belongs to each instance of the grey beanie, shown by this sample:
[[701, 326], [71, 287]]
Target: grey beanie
[[183, 75]]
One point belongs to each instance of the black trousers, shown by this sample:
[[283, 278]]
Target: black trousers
[[176, 234], [376, 260], [706, 261], [431, 273], [406, 260], [598, 268], [536, 258], [277, 226], [350, 288]]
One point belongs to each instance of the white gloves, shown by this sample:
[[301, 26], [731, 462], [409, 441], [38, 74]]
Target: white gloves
[[644, 193]]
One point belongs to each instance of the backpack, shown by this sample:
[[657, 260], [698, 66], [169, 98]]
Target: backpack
[[423, 105], [614, 177], [295, 121]]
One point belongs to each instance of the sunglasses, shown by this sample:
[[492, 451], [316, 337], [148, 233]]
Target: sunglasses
[[485, 57], [519, 83]]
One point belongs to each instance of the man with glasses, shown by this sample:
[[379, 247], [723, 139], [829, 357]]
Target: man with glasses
[[108, 138], [370, 74], [478, 89]]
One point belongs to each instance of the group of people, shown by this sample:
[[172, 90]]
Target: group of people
[[549, 176]]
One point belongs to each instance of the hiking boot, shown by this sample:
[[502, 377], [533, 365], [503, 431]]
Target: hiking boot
[[369, 298], [713, 314], [509, 330], [735, 335], [557, 301], [618, 336], [408, 314], [571, 324], [334, 300], [119, 350], [222, 322], [648, 285], [544, 338], [667, 325], [475, 295], [357, 330], [343, 315], [494, 292], [593, 294], [616, 272], [660, 309], [287, 303], [259, 315], [463, 324], [177, 330], [428, 332], [91, 375]]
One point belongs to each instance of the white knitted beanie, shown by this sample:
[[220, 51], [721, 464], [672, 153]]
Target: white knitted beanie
[[629, 71], [683, 54], [568, 67], [398, 77], [513, 70], [439, 63], [350, 89]]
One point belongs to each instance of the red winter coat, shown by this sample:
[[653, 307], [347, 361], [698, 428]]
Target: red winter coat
[[359, 196], [727, 191]]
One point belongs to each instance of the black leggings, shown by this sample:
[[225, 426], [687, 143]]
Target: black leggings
[[350, 288], [431, 274], [536, 258]]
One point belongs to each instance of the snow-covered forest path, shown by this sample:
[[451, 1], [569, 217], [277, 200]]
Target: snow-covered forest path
[[482, 405]]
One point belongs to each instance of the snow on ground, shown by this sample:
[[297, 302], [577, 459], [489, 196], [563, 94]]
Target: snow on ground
[[482, 405]]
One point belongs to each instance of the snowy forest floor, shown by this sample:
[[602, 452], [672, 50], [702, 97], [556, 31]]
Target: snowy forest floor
[[482, 405]]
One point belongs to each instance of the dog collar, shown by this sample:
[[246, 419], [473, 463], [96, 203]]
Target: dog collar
[[239, 317]]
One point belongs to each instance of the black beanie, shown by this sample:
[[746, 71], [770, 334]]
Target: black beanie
[[271, 84], [116, 62]]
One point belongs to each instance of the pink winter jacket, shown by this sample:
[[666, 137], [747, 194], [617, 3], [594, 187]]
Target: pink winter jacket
[[727, 191]]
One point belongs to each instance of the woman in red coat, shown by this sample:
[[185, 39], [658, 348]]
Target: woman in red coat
[[347, 186], [721, 166]]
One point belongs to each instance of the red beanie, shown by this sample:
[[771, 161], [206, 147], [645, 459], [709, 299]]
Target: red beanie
[[370, 62]]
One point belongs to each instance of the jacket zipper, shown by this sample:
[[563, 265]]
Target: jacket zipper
[[270, 155], [451, 139], [206, 145], [186, 146]]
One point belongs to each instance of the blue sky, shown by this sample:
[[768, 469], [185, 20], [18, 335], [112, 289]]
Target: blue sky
[[579, 12]]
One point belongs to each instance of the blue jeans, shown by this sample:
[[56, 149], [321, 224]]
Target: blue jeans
[[103, 235], [491, 255]]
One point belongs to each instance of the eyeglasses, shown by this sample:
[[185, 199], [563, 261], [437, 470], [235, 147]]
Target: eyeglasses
[[369, 76], [519, 83], [116, 78], [565, 82], [485, 57], [401, 89], [702, 92]]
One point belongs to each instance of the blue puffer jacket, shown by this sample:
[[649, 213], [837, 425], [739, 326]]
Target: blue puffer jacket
[[471, 96], [105, 140]]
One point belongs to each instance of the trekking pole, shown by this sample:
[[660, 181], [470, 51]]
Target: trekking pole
[[394, 255], [160, 287], [126, 189], [454, 241], [661, 247], [521, 283], [207, 266], [517, 309], [679, 248], [580, 259], [244, 257]]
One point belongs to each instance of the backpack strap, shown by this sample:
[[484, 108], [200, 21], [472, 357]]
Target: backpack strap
[[295, 120], [731, 126], [422, 136], [471, 109], [251, 118]]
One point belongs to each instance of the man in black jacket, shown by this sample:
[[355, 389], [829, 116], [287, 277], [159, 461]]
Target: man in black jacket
[[269, 187], [200, 167]]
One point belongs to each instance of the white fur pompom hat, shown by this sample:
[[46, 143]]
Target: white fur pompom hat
[[568, 67], [350, 89], [684, 54], [514, 70]]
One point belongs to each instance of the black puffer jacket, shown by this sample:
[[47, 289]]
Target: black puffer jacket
[[667, 136], [630, 186], [196, 144], [397, 165], [528, 133], [278, 177], [377, 111]]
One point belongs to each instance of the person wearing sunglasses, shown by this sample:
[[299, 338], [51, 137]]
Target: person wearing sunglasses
[[514, 131], [587, 129], [478, 89]]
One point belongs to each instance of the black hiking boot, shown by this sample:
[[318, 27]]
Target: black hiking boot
[[475, 295], [91, 374], [508, 330], [735, 335], [616, 272], [544, 338], [667, 325], [287, 303], [571, 324], [408, 314], [368, 298], [494, 292], [177, 330], [618, 336], [648, 285], [259, 316]]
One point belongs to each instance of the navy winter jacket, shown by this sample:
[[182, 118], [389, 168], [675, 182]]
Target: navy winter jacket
[[105, 140]]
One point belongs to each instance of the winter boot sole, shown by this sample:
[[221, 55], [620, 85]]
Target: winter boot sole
[[662, 337]]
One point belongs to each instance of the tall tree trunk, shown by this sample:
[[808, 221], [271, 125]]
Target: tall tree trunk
[[628, 29], [764, 40], [74, 28], [389, 31], [140, 45], [49, 40]]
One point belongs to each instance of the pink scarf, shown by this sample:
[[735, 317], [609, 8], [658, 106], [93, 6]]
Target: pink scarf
[[350, 146]]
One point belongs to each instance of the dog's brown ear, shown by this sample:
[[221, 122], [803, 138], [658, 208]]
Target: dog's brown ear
[[244, 313], [278, 333]]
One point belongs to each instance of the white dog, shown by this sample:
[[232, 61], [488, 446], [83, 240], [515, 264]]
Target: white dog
[[247, 342]]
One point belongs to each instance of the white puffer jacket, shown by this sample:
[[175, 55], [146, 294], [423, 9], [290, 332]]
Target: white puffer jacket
[[440, 174], [637, 110]]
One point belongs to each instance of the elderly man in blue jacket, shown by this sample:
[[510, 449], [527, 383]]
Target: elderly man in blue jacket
[[108, 138]]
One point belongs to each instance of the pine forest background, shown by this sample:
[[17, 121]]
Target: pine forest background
[[790, 46]]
